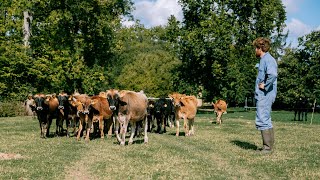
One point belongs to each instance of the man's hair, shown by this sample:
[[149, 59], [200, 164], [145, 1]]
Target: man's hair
[[262, 43]]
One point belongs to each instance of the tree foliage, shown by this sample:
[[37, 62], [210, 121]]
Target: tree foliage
[[82, 45], [300, 70], [216, 44]]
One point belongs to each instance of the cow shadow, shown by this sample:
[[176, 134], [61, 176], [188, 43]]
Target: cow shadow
[[138, 141], [174, 134], [244, 145]]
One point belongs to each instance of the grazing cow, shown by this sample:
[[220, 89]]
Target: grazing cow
[[220, 107], [101, 112], [186, 109], [46, 109], [301, 109], [133, 108], [162, 111], [83, 104], [64, 109]]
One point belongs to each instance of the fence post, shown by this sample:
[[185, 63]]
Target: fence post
[[246, 104]]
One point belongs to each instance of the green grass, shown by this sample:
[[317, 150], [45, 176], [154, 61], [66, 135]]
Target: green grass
[[215, 152]]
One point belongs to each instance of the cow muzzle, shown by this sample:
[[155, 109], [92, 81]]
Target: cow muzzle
[[39, 108], [86, 112], [113, 108], [61, 107]]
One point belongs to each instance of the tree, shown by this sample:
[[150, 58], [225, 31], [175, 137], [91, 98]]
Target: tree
[[299, 70], [217, 43]]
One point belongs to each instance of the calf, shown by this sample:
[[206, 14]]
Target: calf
[[83, 104], [186, 109], [133, 108], [220, 107]]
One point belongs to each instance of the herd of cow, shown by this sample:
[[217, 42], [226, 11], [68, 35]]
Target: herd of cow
[[115, 110]]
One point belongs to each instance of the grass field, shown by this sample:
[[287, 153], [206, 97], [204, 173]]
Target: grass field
[[215, 152]]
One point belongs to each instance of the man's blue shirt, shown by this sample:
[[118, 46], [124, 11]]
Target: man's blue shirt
[[267, 74]]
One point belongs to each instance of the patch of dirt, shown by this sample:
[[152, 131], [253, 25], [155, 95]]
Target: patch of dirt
[[8, 156]]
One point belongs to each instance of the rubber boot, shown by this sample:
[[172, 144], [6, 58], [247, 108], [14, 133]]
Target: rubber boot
[[268, 141]]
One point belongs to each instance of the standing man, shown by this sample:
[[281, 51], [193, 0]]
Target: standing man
[[265, 92]]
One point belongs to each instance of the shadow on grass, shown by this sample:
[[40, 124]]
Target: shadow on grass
[[244, 145], [180, 134]]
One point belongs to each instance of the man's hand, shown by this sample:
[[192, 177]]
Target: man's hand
[[261, 86]]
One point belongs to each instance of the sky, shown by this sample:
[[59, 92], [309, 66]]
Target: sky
[[303, 16]]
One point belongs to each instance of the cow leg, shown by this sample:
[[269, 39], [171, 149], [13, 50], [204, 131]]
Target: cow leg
[[116, 130], [172, 121], [133, 130], [101, 127], [48, 126], [88, 127], [80, 129], [109, 124], [219, 118], [299, 114], [164, 124], [41, 132], [185, 126], [123, 132], [145, 130], [305, 115], [295, 114], [67, 124], [177, 126], [191, 127]]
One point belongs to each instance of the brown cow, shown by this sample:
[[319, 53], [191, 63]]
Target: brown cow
[[52, 103], [133, 108], [83, 104], [102, 112], [186, 109], [220, 107]]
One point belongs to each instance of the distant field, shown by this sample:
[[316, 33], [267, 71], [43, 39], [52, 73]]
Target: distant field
[[215, 152]]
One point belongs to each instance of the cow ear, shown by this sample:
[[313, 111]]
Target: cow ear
[[122, 103]]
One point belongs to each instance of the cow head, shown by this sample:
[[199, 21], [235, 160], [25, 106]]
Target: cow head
[[82, 103], [158, 106], [177, 99], [150, 108], [63, 99], [49, 97], [39, 102], [113, 99]]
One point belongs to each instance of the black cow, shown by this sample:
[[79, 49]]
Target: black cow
[[64, 109], [150, 115], [46, 109], [163, 113], [301, 109]]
